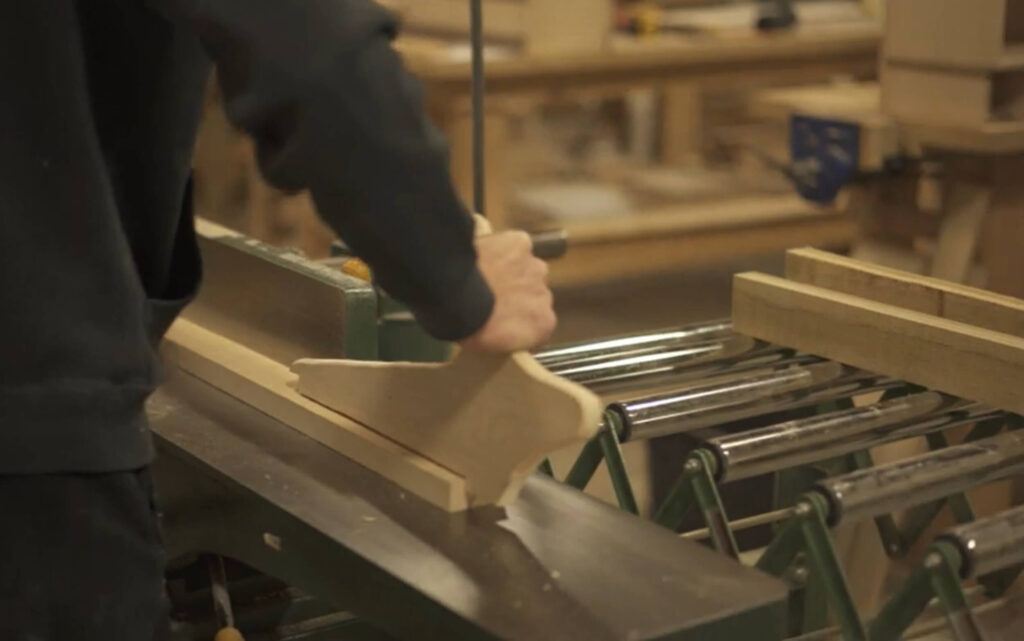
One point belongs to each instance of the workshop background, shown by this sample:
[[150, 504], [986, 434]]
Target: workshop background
[[671, 144]]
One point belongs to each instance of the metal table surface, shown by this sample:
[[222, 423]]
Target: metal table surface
[[555, 565]]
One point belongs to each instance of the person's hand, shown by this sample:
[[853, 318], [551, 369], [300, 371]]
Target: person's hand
[[523, 317]]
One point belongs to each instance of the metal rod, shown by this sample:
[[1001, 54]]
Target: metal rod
[[743, 524], [219, 591], [683, 363], [989, 544], [885, 489], [476, 29], [750, 393], [627, 344], [827, 436]]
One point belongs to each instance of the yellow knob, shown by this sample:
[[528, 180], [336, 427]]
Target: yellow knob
[[358, 269], [229, 634]]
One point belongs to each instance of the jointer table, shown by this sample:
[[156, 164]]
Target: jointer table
[[556, 565]]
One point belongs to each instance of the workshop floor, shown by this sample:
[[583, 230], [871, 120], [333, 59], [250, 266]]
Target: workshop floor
[[637, 305]]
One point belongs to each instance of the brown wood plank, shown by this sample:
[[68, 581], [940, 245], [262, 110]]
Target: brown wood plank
[[941, 354], [909, 291], [270, 387]]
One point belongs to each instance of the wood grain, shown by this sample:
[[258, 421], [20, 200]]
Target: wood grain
[[917, 293], [945, 355], [269, 387], [489, 418]]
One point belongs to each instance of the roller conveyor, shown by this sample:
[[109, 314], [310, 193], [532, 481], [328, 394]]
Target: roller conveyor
[[840, 413]]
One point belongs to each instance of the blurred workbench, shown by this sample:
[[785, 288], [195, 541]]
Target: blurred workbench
[[673, 71]]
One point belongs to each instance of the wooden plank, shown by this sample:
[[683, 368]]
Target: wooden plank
[[503, 19], [936, 96], [567, 26], [902, 289], [948, 356], [269, 387], [490, 418], [959, 33], [620, 257]]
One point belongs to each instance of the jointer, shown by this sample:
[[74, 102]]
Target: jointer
[[344, 553]]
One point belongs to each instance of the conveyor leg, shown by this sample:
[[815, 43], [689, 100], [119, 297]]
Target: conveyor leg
[[903, 609], [676, 505], [942, 564], [608, 439], [700, 468], [808, 532], [545, 468], [888, 530], [822, 560], [586, 465]]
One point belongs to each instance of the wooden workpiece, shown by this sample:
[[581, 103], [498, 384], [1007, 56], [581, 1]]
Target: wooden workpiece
[[945, 355], [490, 418], [269, 387], [458, 435], [932, 296]]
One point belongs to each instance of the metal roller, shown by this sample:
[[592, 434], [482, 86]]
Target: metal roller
[[635, 344], [888, 488], [989, 544], [826, 436], [731, 353], [750, 393]]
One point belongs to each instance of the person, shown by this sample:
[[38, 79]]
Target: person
[[101, 100]]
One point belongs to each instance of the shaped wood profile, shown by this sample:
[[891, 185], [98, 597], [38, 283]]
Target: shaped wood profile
[[490, 419]]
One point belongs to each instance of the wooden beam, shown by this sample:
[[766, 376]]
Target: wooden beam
[[909, 291], [603, 251], [269, 387], [948, 356]]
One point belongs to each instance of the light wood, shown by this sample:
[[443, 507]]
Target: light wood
[[967, 206], [567, 26], [695, 235], [682, 123], [902, 289], [270, 387], [489, 418], [937, 96], [541, 27], [954, 33], [948, 356], [503, 19]]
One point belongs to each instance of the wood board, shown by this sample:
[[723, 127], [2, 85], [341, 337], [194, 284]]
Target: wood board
[[902, 289], [945, 355], [490, 418], [270, 387], [967, 34]]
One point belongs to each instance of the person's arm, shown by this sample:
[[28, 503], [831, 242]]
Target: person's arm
[[319, 87]]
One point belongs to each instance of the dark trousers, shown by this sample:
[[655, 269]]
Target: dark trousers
[[81, 558]]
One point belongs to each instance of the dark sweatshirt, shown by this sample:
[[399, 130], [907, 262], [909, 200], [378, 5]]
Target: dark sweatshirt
[[100, 104]]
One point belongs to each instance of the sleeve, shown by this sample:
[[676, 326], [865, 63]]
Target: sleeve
[[318, 86]]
